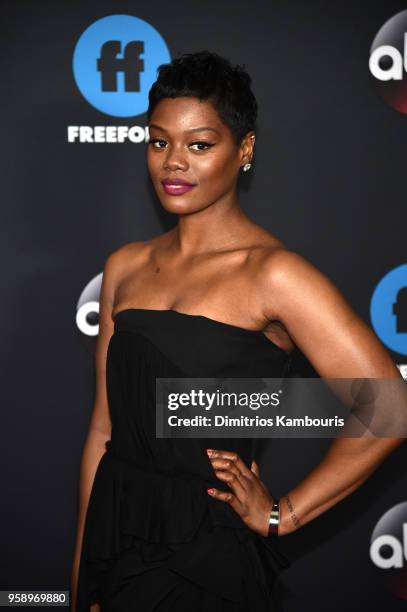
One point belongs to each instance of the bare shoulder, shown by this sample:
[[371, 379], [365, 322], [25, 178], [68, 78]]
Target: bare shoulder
[[127, 252], [320, 321], [290, 278], [129, 256], [281, 264]]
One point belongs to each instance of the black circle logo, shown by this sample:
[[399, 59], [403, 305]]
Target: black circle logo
[[388, 62]]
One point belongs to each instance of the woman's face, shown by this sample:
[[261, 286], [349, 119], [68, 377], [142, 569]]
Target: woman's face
[[188, 141]]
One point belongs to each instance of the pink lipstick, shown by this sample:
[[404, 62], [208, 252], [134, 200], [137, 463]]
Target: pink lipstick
[[176, 186]]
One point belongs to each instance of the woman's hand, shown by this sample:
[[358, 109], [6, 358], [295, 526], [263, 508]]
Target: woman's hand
[[250, 498]]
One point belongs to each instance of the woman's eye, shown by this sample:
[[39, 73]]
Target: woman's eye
[[207, 145], [158, 143], [154, 141]]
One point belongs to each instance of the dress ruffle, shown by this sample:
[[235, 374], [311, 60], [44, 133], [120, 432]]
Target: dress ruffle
[[170, 519]]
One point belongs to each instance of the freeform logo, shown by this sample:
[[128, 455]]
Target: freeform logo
[[388, 549], [107, 133], [115, 63], [388, 62], [131, 65], [388, 311]]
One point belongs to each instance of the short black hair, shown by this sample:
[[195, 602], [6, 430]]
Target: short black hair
[[208, 76]]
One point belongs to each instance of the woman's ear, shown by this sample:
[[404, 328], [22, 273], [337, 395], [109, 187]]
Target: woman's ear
[[247, 148]]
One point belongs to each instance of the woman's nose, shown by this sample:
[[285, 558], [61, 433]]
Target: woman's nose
[[176, 160]]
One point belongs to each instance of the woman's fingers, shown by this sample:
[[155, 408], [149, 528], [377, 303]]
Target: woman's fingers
[[234, 458], [228, 472], [249, 497], [255, 469], [229, 498], [230, 468]]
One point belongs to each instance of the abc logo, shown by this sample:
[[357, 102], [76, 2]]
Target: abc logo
[[388, 549], [388, 62], [115, 63], [87, 313]]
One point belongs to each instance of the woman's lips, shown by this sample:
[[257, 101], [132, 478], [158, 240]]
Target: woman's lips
[[173, 189]]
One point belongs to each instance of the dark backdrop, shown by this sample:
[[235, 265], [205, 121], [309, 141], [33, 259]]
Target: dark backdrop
[[328, 180]]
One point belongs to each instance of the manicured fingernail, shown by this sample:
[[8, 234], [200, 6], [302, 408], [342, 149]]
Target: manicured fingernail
[[211, 491], [209, 451]]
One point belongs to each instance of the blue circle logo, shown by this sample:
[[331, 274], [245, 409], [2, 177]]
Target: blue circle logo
[[115, 63], [388, 309]]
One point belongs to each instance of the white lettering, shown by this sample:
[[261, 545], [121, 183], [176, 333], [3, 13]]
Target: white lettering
[[107, 133], [73, 132], [396, 559], [395, 72]]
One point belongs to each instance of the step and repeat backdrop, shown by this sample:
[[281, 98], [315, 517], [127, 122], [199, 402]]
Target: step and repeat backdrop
[[328, 179]]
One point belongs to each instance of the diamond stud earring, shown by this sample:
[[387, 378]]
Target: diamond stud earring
[[246, 167]]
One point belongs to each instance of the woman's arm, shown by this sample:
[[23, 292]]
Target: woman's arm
[[338, 344], [345, 467], [100, 424], [93, 450]]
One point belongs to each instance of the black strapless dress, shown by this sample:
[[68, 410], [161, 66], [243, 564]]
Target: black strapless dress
[[154, 539]]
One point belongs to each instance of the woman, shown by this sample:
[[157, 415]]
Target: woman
[[168, 524]]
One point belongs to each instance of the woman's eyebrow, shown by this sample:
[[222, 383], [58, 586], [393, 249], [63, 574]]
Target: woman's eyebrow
[[198, 129]]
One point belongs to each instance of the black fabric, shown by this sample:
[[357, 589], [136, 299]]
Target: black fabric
[[154, 539]]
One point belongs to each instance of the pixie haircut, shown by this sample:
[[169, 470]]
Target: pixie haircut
[[208, 76]]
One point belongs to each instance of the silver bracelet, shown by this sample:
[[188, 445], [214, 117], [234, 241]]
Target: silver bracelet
[[274, 519]]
